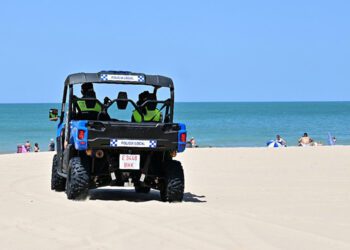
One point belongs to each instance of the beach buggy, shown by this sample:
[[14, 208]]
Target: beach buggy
[[96, 147]]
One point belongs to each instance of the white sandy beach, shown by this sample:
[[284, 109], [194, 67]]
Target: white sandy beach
[[238, 198]]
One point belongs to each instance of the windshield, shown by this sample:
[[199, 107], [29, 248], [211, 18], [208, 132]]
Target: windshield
[[103, 98]]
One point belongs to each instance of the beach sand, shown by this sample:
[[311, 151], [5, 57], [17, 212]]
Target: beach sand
[[236, 198]]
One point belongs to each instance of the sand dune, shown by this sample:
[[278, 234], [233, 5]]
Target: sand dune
[[293, 198]]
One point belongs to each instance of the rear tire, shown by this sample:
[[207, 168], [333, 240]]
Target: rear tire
[[172, 189], [58, 183], [78, 179], [142, 190]]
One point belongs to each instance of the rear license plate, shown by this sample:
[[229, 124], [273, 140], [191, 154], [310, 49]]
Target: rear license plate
[[129, 162]]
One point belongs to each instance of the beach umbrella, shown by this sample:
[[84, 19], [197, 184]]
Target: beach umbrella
[[273, 144], [331, 140]]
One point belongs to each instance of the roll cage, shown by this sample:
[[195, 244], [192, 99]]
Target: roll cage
[[119, 77]]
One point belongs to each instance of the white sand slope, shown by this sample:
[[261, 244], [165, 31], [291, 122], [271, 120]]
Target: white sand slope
[[294, 198]]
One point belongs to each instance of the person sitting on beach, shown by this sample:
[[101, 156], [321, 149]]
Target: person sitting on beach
[[281, 141], [193, 142], [334, 139], [52, 145], [88, 108], [36, 148], [24, 150], [305, 140], [27, 146]]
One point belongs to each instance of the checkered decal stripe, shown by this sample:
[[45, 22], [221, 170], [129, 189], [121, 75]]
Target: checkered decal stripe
[[103, 77], [141, 78], [113, 143], [133, 143], [152, 144]]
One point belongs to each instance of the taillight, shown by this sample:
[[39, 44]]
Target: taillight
[[183, 137], [81, 134]]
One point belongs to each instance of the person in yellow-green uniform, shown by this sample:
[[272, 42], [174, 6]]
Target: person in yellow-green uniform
[[86, 107], [149, 111]]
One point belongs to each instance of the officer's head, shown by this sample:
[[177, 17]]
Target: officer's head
[[146, 96], [143, 97], [87, 89]]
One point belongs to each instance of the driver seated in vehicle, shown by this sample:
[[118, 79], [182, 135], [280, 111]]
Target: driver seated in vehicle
[[87, 107], [149, 111]]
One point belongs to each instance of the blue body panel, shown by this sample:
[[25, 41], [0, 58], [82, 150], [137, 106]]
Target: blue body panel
[[59, 129], [181, 145], [75, 126]]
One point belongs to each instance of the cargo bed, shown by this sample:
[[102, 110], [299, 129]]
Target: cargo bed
[[148, 136]]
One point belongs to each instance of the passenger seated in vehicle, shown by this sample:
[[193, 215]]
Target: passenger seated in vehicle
[[149, 111], [86, 108]]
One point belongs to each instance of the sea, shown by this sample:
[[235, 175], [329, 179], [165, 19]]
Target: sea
[[221, 124]]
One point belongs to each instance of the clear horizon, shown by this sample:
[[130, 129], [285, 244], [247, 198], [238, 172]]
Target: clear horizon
[[224, 51], [23, 103]]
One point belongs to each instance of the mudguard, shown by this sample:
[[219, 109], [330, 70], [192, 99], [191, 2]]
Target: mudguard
[[181, 145], [75, 127], [59, 129]]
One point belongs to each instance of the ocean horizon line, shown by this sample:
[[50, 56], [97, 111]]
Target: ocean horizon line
[[18, 103]]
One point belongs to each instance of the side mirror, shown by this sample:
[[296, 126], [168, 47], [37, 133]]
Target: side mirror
[[53, 115], [122, 100]]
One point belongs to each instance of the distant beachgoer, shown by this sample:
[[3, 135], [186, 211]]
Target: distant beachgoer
[[19, 148], [281, 141], [36, 148], [305, 140], [52, 145], [28, 146], [334, 140], [24, 150], [193, 142]]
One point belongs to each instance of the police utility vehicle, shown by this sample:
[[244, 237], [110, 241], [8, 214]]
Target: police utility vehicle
[[95, 149]]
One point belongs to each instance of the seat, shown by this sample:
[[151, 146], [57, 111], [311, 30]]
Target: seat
[[150, 111], [87, 108]]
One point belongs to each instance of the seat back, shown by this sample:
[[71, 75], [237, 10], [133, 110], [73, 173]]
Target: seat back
[[87, 108], [149, 116]]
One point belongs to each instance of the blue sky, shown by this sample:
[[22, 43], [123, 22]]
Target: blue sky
[[214, 50]]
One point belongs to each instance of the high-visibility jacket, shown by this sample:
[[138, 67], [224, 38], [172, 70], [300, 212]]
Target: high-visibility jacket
[[83, 107], [150, 116]]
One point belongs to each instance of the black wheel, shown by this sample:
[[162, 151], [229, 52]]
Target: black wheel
[[143, 190], [58, 183], [172, 188], [77, 180]]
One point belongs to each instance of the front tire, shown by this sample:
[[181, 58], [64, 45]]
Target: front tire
[[58, 183], [172, 189], [77, 180]]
